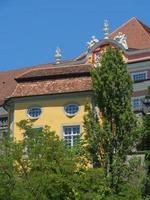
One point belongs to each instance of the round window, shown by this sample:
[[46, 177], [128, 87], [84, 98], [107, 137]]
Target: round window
[[34, 112], [71, 109]]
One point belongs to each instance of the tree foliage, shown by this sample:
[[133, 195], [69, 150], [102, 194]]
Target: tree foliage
[[144, 145], [41, 167], [110, 141]]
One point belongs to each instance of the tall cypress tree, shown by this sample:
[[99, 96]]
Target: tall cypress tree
[[112, 87]]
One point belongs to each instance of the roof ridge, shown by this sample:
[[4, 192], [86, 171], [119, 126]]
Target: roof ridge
[[142, 25], [13, 92], [55, 68], [123, 25], [23, 73]]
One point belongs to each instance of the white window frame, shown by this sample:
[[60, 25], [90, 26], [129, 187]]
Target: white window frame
[[72, 135], [73, 114], [138, 73], [33, 107]]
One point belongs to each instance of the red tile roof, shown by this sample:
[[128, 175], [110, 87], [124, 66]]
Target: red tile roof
[[51, 86], [53, 72], [138, 34], [8, 82]]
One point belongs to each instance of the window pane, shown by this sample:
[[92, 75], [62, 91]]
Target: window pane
[[3, 122], [137, 102], [34, 112], [139, 76], [38, 129], [67, 131], [76, 130], [68, 140], [71, 135], [76, 140], [71, 109]]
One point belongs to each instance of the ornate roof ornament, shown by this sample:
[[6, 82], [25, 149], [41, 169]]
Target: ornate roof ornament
[[106, 29], [92, 42], [122, 39], [58, 55]]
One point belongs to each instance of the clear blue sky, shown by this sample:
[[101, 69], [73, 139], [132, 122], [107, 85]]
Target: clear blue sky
[[30, 30]]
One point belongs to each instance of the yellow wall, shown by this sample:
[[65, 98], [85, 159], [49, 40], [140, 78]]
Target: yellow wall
[[53, 113]]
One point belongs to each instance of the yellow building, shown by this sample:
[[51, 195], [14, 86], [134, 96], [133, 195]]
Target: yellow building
[[63, 113], [56, 94]]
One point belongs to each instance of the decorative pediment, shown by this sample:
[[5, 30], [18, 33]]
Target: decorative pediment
[[122, 39], [92, 42], [97, 50]]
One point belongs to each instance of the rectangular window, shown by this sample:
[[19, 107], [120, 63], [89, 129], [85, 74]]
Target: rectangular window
[[38, 129], [139, 76], [3, 122], [137, 102], [71, 135], [3, 127]]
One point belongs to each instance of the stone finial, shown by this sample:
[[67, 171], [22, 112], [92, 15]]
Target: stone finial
[[122, 39], [106, 29], [58, 55], [92, 42]]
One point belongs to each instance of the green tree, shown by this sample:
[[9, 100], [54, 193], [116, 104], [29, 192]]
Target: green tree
[[144, 145], [93, 138], [110, 141], [41, 167], [7, 173]]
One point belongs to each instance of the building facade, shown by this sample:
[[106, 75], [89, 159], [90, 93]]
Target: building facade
[[56, 94]]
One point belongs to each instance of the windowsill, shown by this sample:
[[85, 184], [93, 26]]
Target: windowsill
[[139, 81], [140, 109], [3, 128]]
